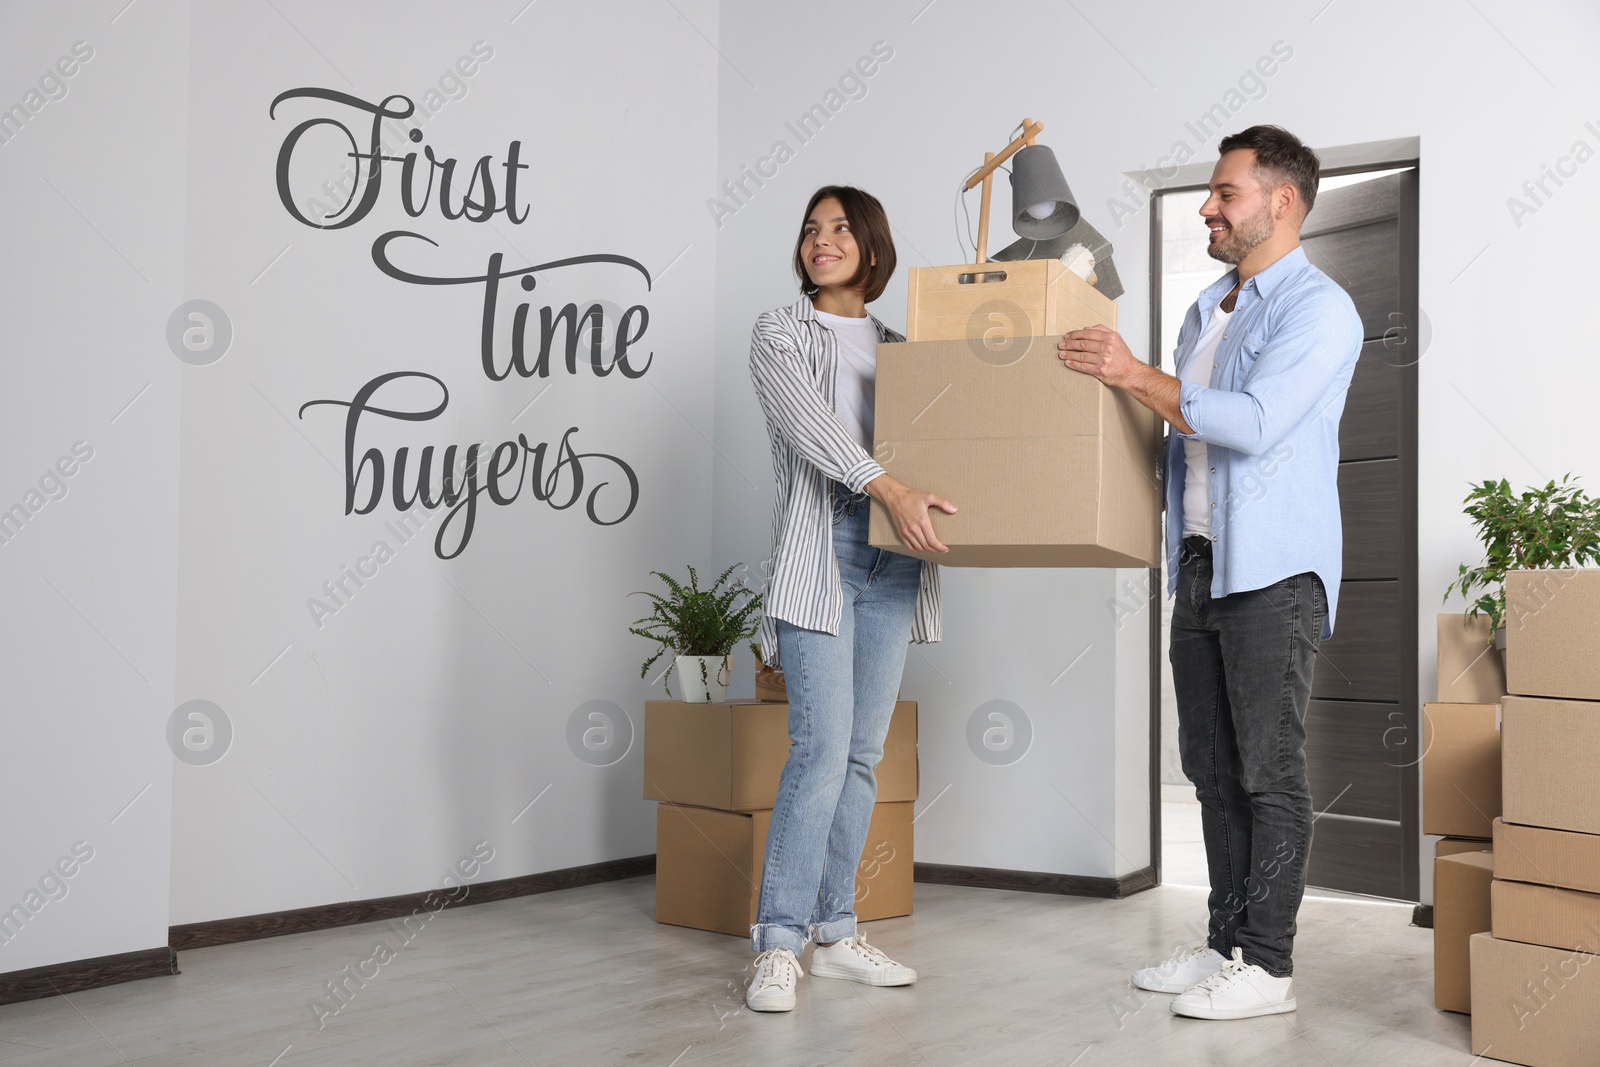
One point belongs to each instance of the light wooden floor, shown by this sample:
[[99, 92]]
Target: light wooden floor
[[585, 977]]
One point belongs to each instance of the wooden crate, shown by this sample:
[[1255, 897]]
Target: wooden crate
[[998, 300]]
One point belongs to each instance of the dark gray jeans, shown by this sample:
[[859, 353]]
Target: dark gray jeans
[[1241, 669]]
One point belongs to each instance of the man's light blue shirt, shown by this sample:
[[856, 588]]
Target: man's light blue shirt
[[1270, 419]]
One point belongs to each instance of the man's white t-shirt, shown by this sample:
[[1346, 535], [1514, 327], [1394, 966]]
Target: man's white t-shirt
[[855, 378], [1196, 483]]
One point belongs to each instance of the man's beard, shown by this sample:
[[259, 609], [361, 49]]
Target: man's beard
[[1239, 241]]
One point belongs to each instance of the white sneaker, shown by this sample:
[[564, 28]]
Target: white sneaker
[[1239, 991], [856, 961], [1181, 972], [772, 988]]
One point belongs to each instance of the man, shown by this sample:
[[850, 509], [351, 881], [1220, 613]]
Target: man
[[1254, 551]]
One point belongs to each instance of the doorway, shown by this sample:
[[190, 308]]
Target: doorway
[[1362, 727]]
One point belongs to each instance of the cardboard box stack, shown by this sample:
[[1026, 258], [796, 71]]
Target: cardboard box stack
[[1535, 985], [1048, 467], [1461, 797], [715, 769]]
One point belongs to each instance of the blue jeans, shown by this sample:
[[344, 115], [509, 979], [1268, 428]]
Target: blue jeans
[[1241, 670], [841, 696]]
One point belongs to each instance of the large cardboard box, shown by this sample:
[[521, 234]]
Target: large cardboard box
[[1545, 915], [1460, 909], [1553, 633], [1002, 301], [1047, 466], [709, 863], [1549, 751], [1460, 769], [1552, 857], [1471, 669], [730, 754], [1534, 1005]]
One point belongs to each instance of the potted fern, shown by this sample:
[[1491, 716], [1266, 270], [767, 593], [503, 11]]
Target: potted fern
[[700, 627], [1555, 527]]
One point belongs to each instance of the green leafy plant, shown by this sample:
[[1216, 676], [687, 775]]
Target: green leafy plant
[[690, 621], [1554, 527]]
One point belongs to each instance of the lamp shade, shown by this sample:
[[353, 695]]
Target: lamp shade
[[1040, 198]]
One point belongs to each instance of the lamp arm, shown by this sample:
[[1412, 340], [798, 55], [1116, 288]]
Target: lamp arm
[[1030, 130], [982, 251]]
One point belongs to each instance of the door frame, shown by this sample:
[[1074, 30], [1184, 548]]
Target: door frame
[[1405, 152]]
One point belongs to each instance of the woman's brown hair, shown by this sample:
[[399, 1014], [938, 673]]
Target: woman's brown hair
[[870, 226]]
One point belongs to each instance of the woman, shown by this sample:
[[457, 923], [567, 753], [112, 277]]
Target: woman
[[838, 613]]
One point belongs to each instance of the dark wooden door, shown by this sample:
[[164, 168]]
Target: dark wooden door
[[1362, 733]]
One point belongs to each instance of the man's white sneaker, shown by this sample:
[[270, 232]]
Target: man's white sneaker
[[772, 988], [856, 961], [1181, 972], [1239, 991]]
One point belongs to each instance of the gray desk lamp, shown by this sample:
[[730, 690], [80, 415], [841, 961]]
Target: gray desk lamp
[[1046, 215], [1042, 201]]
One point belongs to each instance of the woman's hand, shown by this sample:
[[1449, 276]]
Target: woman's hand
[[908, 510]]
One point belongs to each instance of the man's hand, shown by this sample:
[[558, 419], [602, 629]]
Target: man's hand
[[908, 510], [1101, 353]]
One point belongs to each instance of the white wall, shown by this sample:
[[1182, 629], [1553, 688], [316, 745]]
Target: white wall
[[373, 745], [92, 264], [1505, 383]]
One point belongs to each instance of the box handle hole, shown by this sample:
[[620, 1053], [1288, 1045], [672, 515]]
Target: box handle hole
[[983, 278]]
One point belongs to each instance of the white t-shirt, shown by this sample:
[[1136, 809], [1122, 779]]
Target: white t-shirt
[[855, 378], [1196, 483]]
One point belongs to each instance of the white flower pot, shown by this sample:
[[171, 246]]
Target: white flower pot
[[704, 679]]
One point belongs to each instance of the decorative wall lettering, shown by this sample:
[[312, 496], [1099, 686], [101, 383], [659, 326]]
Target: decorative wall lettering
[[566, 340]]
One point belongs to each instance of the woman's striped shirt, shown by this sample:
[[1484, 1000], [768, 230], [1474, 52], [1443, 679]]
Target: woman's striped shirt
[[793, 360]]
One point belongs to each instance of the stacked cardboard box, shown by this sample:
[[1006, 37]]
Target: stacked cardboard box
[[1461, 797], [1460, 770], [715, 770], [1535, 991], [1471, 670], [1462, 872]]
